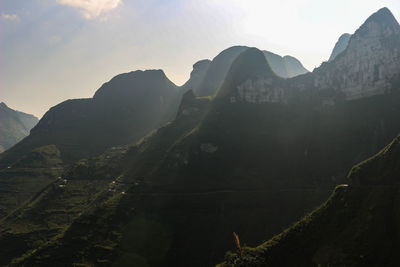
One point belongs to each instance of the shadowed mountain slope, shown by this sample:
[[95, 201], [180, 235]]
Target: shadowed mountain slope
[[357, 226], [122, 111]]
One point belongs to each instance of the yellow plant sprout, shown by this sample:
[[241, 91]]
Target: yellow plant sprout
[[237, 241]]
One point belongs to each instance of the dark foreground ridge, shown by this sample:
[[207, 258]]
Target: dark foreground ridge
[[357, 226]]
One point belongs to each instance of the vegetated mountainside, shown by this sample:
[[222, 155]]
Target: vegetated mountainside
[[51, 209], [285, 67], [14, 126], [223, 165], [122, 111], [126, 108], [357, 226], [229, 163], [340, 45], [90, 190], [27, 176]]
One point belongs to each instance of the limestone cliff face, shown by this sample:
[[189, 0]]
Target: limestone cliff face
[[370, 64], [259, 90]]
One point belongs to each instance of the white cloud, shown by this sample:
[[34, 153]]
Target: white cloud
[[11, 17], [92, 8]]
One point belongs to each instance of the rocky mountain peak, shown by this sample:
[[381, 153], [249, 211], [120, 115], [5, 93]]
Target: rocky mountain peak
[[383, 17], [380, 25], [371, 62], [250, 79]]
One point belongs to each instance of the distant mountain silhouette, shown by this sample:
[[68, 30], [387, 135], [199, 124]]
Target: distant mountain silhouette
[[340, 46], [122, 111], [14, 126], [197, 75], [285, 67]]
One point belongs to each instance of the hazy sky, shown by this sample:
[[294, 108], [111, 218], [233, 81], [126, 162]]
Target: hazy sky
[[53, 50]]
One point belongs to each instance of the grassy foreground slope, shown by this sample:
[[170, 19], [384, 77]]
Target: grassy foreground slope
[[359, 225]]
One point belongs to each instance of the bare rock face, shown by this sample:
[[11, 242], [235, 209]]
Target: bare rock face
[[259, 90], [370, 64]]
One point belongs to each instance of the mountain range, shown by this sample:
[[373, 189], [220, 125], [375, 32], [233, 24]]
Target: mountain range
[[216, 70], [242, 147]]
